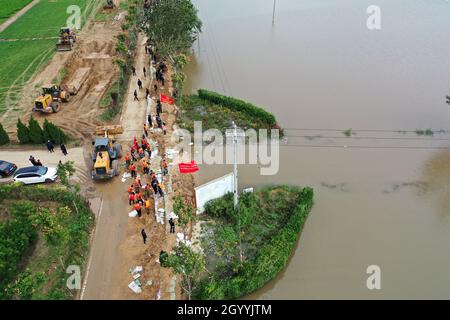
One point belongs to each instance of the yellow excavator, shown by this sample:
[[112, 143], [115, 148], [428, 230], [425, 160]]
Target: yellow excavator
[[106, 153]]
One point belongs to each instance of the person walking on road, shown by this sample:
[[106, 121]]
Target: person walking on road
[[145, 72], [50, 146], [139, 83], [149, 119], [144, 236], [136, 95], [145, 129], [63, 149], [147, 93], [172, 225], [39, 163], [164, 167], [33, 161], [133, 70]]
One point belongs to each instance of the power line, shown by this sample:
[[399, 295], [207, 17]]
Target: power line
[[362, 147]]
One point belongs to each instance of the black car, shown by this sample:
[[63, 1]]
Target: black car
[[7, 168]]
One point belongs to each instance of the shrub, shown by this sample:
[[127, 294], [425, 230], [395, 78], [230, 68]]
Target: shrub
[[23, 134], [271, 256], [238, 105], [4, 138], [53, 133], [36, 133]]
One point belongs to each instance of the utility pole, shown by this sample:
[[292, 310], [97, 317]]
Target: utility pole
[[235, 168], [273, 15]]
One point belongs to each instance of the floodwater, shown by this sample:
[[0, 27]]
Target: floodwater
[[382, 196]]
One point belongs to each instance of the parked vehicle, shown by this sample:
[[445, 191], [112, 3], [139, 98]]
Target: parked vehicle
[[32, 175], [7, 168]]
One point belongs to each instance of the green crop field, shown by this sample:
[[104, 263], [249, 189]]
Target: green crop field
[[8, 8], [29, 44]]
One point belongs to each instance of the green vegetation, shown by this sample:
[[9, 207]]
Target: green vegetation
[[427, 132], [188, 263], [34, 36], [172, 26], [448, 100], [9, 8], [42, 232], [249, 247], [217, 111], [349, 132], [4, 138], [34, 134]]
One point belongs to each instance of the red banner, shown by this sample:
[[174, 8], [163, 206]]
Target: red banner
[[188, 167], [166, 99]]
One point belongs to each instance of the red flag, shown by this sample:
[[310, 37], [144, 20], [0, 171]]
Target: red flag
[[166, 99], [188, 167]]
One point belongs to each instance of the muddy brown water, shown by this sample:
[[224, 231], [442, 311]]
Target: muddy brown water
[[384, 199]]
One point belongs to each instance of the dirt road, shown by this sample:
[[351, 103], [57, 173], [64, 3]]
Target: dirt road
[[20, 158]]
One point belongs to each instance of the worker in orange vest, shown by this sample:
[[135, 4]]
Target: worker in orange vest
[[137, 207], [146, 168], [130, 189], [133, 170], [138, 197], [127, 160], [131, 198]]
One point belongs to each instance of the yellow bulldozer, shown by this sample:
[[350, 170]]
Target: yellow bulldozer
[[48, 101], [106, 153], [67, 38]]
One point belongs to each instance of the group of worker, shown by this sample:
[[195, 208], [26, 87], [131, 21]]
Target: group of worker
[[142, 197]]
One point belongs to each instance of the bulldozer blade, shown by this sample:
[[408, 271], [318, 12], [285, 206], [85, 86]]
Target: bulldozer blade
[[64, 47]]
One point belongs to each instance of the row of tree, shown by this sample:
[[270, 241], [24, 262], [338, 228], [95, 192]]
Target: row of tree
[[34, 134]]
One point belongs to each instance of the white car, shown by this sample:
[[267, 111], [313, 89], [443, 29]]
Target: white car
[[31, 175]]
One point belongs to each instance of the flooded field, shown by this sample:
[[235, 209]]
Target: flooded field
[[383, 193]]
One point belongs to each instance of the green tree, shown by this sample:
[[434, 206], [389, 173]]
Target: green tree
[[187, 263], [65, 172], [23, 133], [448, 100], [172, 25], [36, 133], [4, 138], [184, 211], [53, 133]]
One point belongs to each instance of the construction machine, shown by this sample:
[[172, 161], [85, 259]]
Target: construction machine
[[48, 101], [109, 5], [67, 38], [59, 93], [46, 104], [106, 153]]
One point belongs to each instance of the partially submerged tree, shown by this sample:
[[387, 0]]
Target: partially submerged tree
[[172, 25], [187, 263]]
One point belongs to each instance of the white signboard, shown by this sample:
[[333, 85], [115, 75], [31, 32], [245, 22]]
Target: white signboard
[[213, 190]]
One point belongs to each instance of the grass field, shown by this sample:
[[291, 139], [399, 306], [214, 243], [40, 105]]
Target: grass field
[[8, 8], [31, 44]]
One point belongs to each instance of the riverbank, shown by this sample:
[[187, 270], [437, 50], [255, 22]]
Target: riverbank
[[248, 247]]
